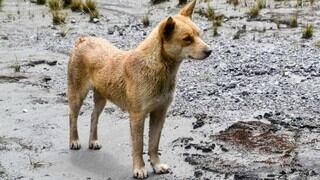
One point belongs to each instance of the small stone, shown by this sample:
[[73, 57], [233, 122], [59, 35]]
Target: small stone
[[25, 110], [4, 38], [206, 150], [224, 149], [186, 154], [121, 32], [46, 78], [283, 173], [52, 63], [198, 174], [73, 21], [95, 20], [267, 115], [188, 146], [110, 30]]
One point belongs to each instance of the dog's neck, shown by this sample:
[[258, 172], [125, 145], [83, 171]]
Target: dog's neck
[[153, 43]]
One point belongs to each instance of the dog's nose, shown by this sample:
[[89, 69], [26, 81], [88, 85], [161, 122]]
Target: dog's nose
[[207, 52]]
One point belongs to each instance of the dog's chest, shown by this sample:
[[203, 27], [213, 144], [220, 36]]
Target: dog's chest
[[159, 95]]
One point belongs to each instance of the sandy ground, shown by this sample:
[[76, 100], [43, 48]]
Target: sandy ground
[[250, 111]]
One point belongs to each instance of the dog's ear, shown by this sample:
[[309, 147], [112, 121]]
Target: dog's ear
[[188, 9], [167, 28]]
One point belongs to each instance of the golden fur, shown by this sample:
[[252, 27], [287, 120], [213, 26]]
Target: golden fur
[[140, 81]]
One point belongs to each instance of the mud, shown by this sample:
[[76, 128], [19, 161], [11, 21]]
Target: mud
[[250, 111]]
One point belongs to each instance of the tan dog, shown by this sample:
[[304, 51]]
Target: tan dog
[[141, 81]]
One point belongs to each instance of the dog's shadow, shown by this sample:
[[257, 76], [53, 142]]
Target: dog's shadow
[[100, 163]]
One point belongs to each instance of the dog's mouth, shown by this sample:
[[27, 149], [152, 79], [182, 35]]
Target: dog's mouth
[[201, 58]]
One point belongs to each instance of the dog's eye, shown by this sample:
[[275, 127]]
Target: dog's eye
[[188, 39]]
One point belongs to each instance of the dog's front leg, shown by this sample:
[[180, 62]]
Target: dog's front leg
[[157, 119], [137, 128]]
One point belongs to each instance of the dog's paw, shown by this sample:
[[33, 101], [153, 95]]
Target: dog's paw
[[95, 145], [75, 145], [161, 168], [140, 173]]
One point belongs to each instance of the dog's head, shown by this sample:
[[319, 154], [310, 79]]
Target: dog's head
[[181, 37]]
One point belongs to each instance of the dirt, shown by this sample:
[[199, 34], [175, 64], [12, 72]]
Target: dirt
[[250, 111]]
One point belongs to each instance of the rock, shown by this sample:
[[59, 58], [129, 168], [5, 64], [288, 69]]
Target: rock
[[25, 110], [206, 149], [46, 78], [54, 27], [73, 21], [52, 63], [231, 86], [198, 174], [198, 124], [188, 146], [4, 37], [121, 32], [183, 140], [95, 20], [283, 173], [267, 115], [110, 30], [246, 177], [224, 149], [36, 62]]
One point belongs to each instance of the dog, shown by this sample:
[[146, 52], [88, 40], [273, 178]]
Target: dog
[[141, 81]]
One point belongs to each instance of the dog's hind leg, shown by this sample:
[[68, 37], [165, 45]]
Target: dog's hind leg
[[99, 103], [75, 103], [157, 118], [78, 87]]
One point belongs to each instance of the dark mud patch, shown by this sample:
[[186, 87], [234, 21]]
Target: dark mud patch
[[256, 135], [246, 150]]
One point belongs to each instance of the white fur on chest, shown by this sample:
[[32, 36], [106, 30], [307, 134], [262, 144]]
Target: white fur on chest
[[152, 103]]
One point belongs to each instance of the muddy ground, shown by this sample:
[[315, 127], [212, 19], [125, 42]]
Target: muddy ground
[[250, 111]]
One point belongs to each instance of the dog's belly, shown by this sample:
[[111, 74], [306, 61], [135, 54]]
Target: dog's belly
[[117, 97]]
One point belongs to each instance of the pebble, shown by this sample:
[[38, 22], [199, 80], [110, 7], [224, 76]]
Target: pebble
[[198, 174], [95, 20], [46, 78], [5, 38], [52, 63], [110, 30]]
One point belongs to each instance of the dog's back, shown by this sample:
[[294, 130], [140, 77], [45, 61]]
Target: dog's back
[[92, 51], [88, 68]]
